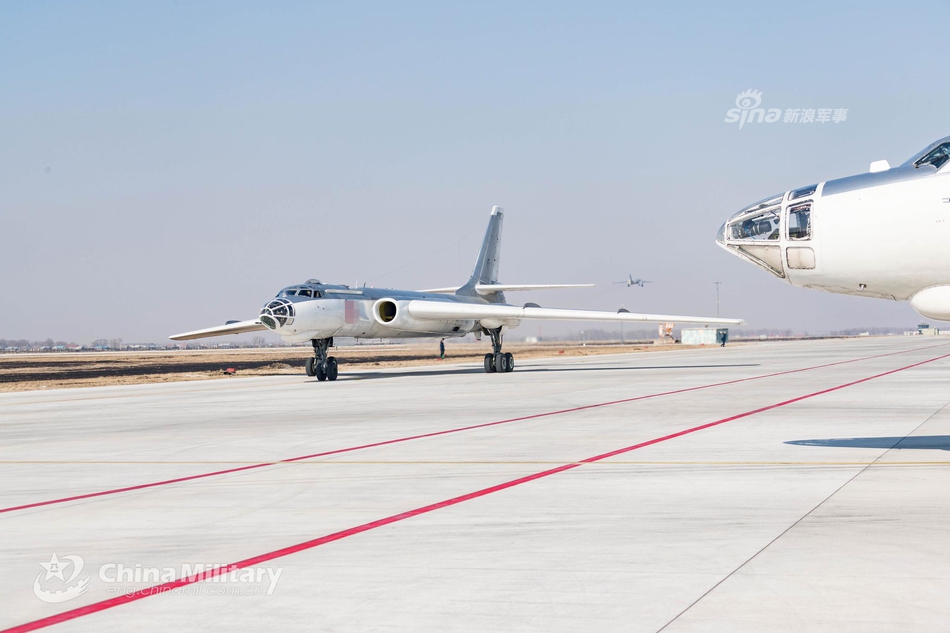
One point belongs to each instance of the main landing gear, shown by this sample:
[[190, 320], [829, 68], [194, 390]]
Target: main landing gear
[[498, 361], [322, 366]]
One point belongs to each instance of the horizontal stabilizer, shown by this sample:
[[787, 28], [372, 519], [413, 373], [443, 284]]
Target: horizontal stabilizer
[[446, 310], [231, 327], [487, 289], [441, 291]]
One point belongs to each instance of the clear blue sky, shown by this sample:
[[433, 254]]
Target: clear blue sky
[[168, 166]]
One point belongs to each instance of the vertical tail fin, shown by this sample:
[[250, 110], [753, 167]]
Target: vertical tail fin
[[486, 266]]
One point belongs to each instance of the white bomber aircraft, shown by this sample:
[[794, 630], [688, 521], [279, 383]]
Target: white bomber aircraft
[[318, 312], [883, 234]]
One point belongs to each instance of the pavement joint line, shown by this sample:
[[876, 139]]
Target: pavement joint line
[[463, 462], [109, 603], [800, 519], [166, 482]]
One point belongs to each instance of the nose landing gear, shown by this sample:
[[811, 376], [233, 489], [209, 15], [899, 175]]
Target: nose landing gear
[[322, 366], [498, 361]]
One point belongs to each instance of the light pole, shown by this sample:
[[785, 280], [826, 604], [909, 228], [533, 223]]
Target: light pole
[[717, 282]]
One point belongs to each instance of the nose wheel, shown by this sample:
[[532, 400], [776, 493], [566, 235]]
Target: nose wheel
[[498, 361], [321, 366]]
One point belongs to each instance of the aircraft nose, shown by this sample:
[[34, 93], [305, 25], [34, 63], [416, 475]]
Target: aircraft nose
[[277, 313], [754, 234]]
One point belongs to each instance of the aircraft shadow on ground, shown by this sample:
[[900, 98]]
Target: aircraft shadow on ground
[[920, 442], [455, 370]]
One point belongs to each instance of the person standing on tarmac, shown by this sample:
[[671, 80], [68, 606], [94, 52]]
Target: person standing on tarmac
[[442, 349]]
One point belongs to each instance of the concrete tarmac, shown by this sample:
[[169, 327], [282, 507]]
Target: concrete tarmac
[[794, 486]]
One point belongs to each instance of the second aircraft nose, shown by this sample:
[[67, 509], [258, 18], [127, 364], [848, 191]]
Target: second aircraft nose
[[754, 234]]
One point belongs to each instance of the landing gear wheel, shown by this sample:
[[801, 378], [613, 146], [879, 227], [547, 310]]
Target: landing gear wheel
[[489, 363], [320, 365], [509, 362], [500, 363]]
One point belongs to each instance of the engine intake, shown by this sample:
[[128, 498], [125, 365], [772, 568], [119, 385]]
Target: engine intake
[[385, 311]]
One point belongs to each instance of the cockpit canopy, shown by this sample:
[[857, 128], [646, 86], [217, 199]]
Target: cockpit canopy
[[934, 155], [300, 291]]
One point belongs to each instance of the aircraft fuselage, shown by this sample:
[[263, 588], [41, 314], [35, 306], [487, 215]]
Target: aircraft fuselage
[[327, 311], [883, 234]]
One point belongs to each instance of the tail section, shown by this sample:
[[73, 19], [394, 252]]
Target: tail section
[[486, 266]]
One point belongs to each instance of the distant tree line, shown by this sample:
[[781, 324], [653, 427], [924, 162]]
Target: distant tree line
[[23, 343], [27, 345]]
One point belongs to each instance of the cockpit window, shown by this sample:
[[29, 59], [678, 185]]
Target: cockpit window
[[288, 292], [803, 192], [936, 157], [762, 226], [799, 222], [761, 204], [304, 292]]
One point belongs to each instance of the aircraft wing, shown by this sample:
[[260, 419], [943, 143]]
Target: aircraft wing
[[422, 309], [232, 327]]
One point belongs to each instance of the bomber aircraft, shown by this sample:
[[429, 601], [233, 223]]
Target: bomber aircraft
[[883, 234], [318, 312], [630, 281]]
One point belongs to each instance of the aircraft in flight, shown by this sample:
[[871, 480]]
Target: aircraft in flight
[[630, 281], [883, 234], [318, 312]]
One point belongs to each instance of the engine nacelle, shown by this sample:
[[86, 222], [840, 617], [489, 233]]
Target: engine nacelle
[[393, 313], [933, 303]]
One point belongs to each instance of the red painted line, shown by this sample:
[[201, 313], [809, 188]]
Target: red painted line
[[350, 449], [395, 518]]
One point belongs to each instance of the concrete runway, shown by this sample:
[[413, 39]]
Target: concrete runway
[[799, 486]]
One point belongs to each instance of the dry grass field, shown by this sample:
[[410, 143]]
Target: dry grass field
[[24, 372]]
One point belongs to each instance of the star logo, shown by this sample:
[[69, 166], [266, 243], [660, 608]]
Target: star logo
[[66, 588], [54, 569]]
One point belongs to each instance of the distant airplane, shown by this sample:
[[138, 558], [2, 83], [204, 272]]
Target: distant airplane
[[317, 312], [882, 234], [630, 281]]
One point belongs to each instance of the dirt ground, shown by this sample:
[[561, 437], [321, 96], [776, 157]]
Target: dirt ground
[[25, 372]]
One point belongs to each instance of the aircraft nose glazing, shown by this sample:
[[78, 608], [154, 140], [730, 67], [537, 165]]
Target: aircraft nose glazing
[[277, 313], [754, 234]]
